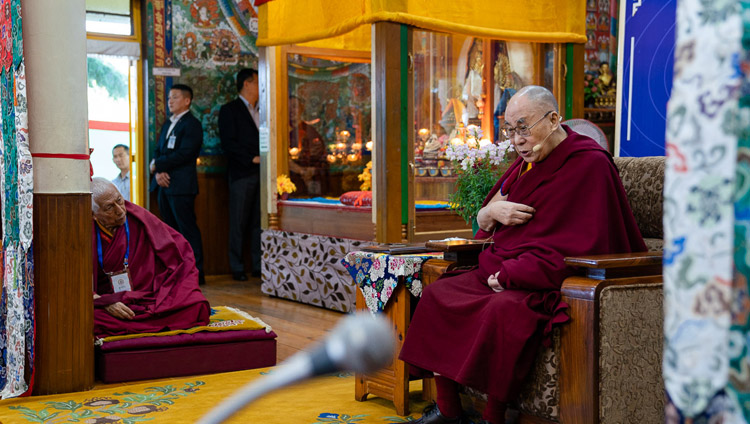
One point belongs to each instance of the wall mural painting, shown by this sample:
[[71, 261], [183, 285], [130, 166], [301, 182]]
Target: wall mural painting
[[601, 33], [208, 41]]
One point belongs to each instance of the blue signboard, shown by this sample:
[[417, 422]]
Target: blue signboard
[[646, 56]]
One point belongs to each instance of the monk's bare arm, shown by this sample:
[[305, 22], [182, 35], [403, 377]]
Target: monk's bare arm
[[502, 211]]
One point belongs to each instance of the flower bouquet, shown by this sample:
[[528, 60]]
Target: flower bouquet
[[477, 166], [592, 89], [284, 186], [366, 177]]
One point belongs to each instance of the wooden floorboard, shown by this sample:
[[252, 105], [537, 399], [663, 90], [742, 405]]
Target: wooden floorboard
[[298, 326]]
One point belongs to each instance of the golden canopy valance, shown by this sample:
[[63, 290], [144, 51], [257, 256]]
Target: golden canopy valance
[[344, 24]]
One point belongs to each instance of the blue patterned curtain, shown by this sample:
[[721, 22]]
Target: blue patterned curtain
[[17, 302], [707, 307]]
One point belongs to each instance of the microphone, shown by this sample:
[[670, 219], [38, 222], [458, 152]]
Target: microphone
[[362, 343], [538, 147]]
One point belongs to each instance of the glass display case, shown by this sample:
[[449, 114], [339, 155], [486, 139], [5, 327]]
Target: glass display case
[[329, 125], [461, 89]]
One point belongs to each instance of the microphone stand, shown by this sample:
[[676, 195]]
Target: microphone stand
[[280, 377], [361, 343]]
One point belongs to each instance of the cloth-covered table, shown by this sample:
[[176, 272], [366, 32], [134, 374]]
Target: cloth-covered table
[[378, 274], [378, 277]]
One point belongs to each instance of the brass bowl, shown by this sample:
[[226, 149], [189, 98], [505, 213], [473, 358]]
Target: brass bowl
[[433, 172], [446, 172]]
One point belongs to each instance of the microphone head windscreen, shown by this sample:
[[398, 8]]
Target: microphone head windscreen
[[362, 343]]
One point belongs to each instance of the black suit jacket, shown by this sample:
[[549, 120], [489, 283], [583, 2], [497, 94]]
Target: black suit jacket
[[239, 139], [179, 162]]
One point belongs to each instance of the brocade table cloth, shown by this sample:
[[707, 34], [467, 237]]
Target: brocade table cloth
[[378, 274]]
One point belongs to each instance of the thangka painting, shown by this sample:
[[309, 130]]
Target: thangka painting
[[601, 33], [17, 302], [706, 219], [208, 41]]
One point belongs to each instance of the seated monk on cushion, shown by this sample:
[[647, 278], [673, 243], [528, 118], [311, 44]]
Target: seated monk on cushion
[[145, 279], [483, 327]]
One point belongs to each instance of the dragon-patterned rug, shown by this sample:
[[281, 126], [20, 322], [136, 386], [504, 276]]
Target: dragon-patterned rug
[[327, 399]]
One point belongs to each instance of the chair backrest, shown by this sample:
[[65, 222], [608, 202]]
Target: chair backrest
[[590, 129], [643, 180]]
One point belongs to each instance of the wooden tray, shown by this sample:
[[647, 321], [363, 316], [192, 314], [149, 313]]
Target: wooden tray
[[398, 248]]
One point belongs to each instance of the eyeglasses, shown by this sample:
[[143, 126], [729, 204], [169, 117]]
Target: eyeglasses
[[522, 130]]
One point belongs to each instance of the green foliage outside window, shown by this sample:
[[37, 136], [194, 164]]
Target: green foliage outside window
[[107, 77]]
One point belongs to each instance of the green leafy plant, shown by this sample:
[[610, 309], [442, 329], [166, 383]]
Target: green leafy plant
[[477, 169], [108, 77]]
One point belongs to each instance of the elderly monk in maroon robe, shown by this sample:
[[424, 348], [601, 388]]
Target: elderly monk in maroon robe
[[483, 328], [145, 279]]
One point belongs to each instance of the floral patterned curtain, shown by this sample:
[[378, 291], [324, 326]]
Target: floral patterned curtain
[[739, 366], [17, 302], [706, 217]]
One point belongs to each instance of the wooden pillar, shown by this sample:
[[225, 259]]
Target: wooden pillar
[[54, 35], [574, 81], [390, 105], [274, 123]]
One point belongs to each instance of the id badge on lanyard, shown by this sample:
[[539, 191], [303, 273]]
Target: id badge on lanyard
[[120, 280]]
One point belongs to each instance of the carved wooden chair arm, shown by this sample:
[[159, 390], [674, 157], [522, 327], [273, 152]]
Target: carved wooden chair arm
[[620, 265], [601, 271]]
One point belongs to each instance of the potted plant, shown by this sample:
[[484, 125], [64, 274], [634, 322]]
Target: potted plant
[[477, 166]]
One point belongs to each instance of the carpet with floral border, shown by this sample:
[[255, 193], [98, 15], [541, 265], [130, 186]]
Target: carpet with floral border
[[327, 399]]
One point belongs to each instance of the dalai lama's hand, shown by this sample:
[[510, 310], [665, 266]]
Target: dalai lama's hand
[[119, 310], [162, 178], [504, 212], [509, 213], [494, 283]]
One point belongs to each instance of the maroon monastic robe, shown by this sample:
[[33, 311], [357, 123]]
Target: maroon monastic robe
[[165, 293], [488, 340]]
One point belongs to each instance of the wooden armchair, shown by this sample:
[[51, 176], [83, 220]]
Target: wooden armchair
[[605, 364]]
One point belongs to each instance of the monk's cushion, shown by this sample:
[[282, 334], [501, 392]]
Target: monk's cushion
[[357, 198], [232, 341]]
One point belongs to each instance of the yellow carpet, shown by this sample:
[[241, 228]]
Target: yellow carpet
[[328, 399]]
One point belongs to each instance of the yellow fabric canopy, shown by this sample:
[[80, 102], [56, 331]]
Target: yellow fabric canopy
[[345, 23]]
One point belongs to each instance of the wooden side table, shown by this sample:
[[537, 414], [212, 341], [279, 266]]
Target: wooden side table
[[392, 382]]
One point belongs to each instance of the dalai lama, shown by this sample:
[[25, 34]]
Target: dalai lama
[[145, 279], [483, 328]]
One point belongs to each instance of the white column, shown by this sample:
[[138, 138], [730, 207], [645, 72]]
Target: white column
[[54, 37]]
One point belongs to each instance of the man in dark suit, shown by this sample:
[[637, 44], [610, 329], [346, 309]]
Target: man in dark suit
[[173, 167], [238, 130]]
